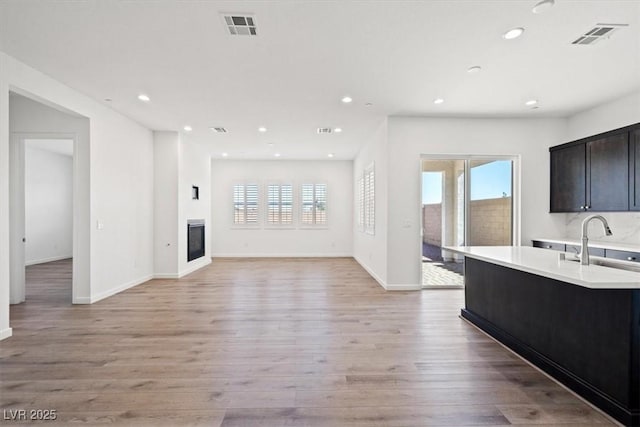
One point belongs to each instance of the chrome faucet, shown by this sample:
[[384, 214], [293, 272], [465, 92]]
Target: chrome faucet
[[584, 249]]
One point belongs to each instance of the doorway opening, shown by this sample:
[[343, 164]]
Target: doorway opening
[[466, 201], [48, 208], [49, 185]]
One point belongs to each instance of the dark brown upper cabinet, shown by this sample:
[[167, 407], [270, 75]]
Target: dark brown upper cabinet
[[634, 170], [608, 173], [595, 173], [568, 178]]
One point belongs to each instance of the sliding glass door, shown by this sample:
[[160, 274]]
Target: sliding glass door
[[466, 201], [490, 203]]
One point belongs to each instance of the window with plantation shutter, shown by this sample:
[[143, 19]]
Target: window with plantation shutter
[[366, 201], [360, 203], [314, 205], [279, 204], [245, 204], [371, 204]]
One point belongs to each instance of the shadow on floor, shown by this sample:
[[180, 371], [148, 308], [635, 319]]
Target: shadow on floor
[[431, 252], [437, 272]]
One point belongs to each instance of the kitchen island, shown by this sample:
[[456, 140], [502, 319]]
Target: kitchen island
[[580, 324]]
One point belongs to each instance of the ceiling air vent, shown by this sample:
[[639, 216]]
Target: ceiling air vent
[[239, 25], [597, 33], [218, 129], [325, 130]]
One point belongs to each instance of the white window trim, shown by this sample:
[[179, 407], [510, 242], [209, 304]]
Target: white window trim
[[314, 225], [279, 226], [241, 226]]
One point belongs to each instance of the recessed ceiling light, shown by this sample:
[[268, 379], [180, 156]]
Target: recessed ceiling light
[[277, 155], [225, 154], [474, 69], [346, 99], [144, 98], [187, 128], [337, 130], [262, 129], [513, 33], [330, 155], [531, 102], [438, 101], [543, 6]]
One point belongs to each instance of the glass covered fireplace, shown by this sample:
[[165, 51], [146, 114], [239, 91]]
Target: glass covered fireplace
[[195, 239]]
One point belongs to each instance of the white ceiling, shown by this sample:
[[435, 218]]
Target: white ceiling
[[398, 55]]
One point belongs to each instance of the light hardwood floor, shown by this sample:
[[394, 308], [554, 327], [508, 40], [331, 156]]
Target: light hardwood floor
[[268, 342]]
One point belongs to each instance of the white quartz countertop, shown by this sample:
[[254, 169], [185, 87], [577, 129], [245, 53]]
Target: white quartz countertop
[[546, 263], [629, 247]]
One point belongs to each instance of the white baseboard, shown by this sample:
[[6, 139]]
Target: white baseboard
[[196, 266], [281, 255], [166, 276], [51, 259], [6, 333], [401, 287], [81, 300], [124, 287], [371, 272], [385, 285]]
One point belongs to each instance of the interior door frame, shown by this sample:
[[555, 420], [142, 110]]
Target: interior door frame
[[516, 180], [17, 211]]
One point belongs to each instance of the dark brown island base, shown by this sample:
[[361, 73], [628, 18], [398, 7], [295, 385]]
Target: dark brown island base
[[584, 330]]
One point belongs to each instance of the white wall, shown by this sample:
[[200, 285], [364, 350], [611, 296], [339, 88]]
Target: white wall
[[178, 165], [334, 240], [115, 187], [370, 250], [615, 114], [194, 169], [166, 163], [122, 201], [612, 115], [409, 138], [48, 206], [5, 329]]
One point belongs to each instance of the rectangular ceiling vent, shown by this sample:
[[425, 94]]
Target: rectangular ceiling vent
[[325, 130], [240, 25], [597, 33], [218, 130]]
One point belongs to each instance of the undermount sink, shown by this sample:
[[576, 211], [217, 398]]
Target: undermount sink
[[602, 262]]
